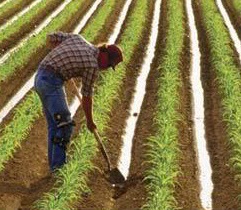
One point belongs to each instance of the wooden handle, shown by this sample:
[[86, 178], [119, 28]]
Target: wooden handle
[[96, 134], [102, 148], [76, 90]]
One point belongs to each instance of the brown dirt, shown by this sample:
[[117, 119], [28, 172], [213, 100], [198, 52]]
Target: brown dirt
[[27, 168], [27, 28], [226, 190], [4, 17], [26, 176]]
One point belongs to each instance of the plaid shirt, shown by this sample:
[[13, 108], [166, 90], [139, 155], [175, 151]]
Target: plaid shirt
[[73, 57]]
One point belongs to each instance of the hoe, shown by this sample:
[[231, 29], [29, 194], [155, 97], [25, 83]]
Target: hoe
[[114, 174]]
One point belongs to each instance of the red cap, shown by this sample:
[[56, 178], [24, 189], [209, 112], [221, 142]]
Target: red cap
[[115, 55]]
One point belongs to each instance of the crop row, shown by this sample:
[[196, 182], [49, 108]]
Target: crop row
[[163, 146], [11, 7], [24, 55], [73, 175], [227, 76], [24, 23]]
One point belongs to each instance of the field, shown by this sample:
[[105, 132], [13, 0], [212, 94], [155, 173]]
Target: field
[[170, 115]]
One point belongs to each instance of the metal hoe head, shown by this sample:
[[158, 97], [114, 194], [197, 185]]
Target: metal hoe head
[[115, 176]]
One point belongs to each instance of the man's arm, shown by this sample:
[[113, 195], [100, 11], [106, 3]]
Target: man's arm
[[87, 90], [87, 102]]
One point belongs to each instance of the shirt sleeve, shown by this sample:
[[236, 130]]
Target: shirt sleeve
[[59, 36], [88, 80]]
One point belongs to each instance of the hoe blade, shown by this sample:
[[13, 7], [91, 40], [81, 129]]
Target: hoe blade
[[115, 176]]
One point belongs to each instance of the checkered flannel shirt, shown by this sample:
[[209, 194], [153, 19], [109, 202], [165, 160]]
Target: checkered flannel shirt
[[73, 57]]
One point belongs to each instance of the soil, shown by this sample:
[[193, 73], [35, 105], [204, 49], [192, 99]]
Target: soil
[[226, 190]]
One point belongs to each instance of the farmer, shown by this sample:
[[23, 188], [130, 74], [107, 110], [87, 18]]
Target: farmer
[[70, 56]]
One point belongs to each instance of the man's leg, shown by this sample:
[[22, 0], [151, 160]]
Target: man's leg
[[56, 154], [60, 126]]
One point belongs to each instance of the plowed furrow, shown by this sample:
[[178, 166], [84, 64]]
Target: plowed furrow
[[226, 190]]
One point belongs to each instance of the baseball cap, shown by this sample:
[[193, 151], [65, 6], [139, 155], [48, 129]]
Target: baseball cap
[[115, 55]]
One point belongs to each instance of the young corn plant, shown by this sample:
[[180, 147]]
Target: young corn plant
[[80, 160], [163, 149], [228, 78]]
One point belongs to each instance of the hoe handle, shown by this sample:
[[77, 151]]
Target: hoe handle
[[76, 90], [96, 134], [102, 148]]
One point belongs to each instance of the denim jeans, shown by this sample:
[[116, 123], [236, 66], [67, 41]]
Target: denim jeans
[[51, 92]]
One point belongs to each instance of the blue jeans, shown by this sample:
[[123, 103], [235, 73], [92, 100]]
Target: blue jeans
[[51, 92]]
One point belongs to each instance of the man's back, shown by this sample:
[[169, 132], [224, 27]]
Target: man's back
[[72, 56]]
